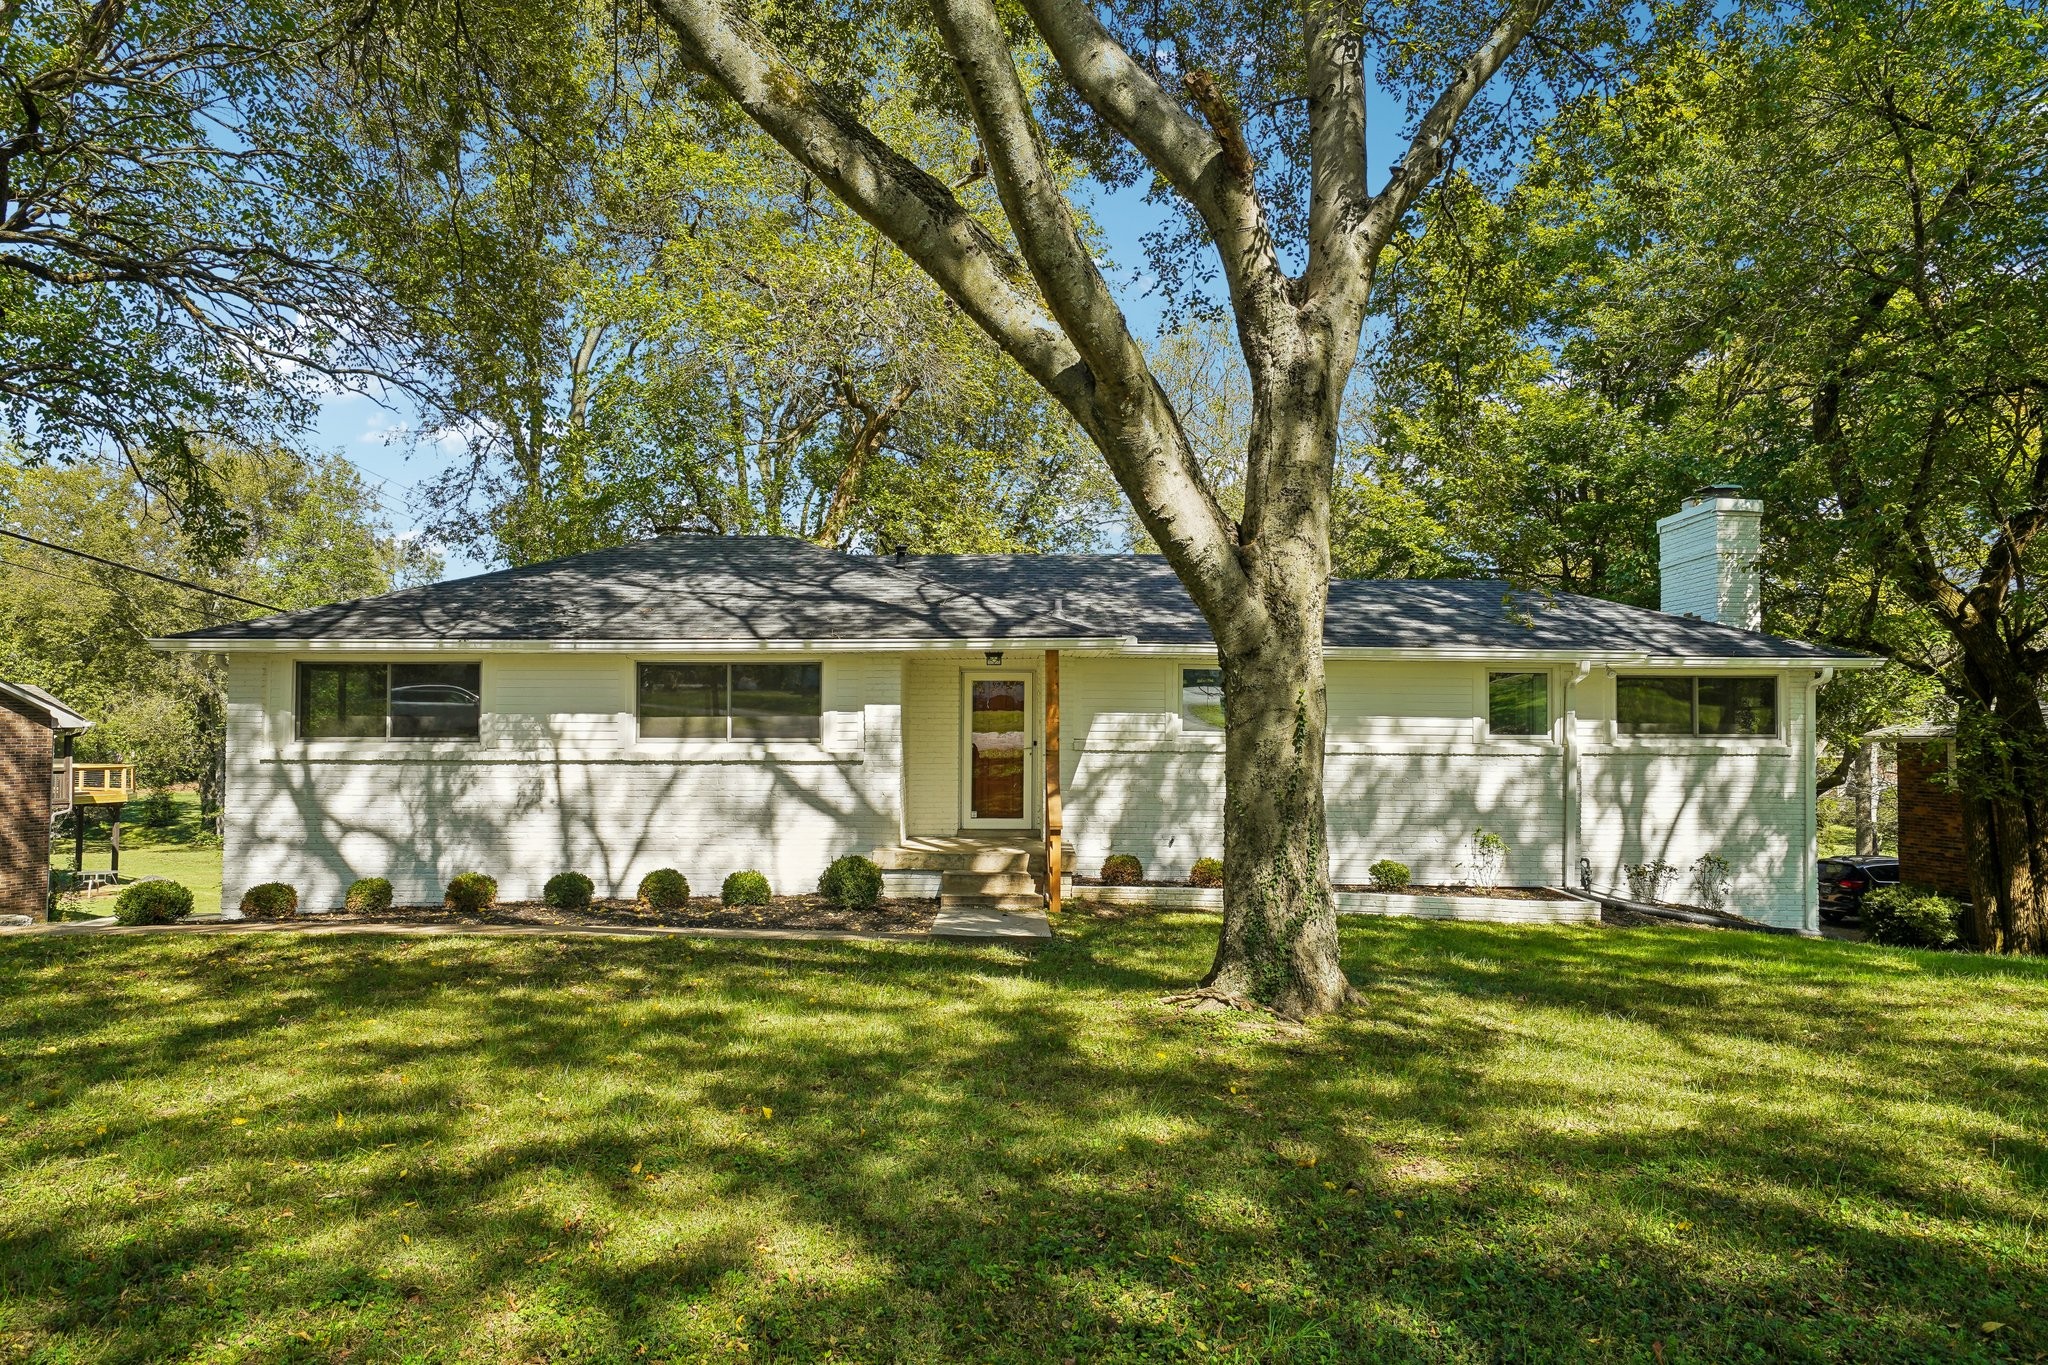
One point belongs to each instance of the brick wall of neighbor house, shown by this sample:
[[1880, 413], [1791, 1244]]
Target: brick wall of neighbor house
[[558, 781], [1930, 822], [25, 754]]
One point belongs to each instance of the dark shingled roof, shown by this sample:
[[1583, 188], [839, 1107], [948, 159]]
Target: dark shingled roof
[[758, 588]]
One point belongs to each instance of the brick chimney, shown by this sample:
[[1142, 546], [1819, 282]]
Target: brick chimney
[[1709, 549]]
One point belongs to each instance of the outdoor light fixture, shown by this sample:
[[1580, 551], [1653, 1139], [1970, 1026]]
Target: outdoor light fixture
[[992, 657]]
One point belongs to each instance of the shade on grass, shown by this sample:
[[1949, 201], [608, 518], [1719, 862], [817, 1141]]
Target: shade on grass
[[1532, 1143]]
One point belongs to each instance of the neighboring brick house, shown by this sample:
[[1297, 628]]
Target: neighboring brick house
[[33, 725], [1930, 811], [1930, 820]]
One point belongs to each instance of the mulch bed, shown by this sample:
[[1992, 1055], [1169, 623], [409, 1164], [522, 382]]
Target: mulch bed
[[703, 912], [1498, 893], [1504, 893]]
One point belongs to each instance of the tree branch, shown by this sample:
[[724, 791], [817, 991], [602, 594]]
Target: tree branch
[[1192, 158], [1425, 155]]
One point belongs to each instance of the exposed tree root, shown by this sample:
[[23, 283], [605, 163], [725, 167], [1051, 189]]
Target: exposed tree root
[[1213, 1000]]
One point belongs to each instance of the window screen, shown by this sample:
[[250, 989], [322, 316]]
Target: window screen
[[731, 701], [395, 701], [1201, 698], [1518, 703], [1738, 706], [1696, 706], [682, 701], [1653, 706]]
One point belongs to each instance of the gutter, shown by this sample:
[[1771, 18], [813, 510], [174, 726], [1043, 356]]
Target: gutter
[[459, 645]]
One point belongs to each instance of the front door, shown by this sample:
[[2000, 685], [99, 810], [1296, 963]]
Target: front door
[[1001, 742]]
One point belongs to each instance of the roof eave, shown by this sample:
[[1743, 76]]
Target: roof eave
[[460, 645]]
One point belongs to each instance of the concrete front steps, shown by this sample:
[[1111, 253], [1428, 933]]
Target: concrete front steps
[[977, 872]]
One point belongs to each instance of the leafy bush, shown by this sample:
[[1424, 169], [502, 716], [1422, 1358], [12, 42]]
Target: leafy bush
[[568, 891], [1206, 872], [153, 902], [852, 882], [664, 889], [471, 893], [1710, 881], [744, 888], [1122, 869], [367, 896], [1388, 875], [1911, 917], [270, 900], [157, 810], [1489, 857], [1646, 880]]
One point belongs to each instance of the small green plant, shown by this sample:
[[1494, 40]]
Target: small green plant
[[1122, 869], [270, 900], [663, 889], [1388, 875], [1710, 881], [367, 896], [568, 891], [1206, 872], [1646, 880], [153, 902], [1489, 857], [470, 893], [744, 888], [1913, 917], [853, 882], [157, 810]]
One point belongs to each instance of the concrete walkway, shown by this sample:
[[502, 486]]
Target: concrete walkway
[[957, 924]]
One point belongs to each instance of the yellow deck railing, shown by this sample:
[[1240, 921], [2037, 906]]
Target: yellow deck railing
[[102, 784]]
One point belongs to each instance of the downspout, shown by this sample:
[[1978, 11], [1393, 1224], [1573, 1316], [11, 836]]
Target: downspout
[[1568, 874], [1810, 782]]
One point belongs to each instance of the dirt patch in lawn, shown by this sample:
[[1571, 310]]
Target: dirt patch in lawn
[[1497, 893], [703, 912]]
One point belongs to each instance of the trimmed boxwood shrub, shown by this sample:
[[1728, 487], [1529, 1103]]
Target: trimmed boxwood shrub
[[568, 891], [270, 900], [664, 889], [853, 882], [1122, 869], [1388, 875], [367, 896], [1206, 872], [744, 888], [471, 893], [1913, 917], [153, 902]]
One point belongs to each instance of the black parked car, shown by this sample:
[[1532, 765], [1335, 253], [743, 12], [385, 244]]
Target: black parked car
[[1845, 881]]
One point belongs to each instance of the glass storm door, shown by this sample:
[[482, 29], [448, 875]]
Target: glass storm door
[[999, 751]]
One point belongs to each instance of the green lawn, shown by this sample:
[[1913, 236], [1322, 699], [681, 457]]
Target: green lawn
[[178, 850], [1530, 1144]]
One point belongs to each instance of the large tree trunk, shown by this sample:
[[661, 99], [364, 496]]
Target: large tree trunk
[[2001, 836], [2002, 769], [1279, 940]]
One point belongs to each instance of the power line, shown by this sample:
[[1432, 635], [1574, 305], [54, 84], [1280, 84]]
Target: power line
[[146, 573]]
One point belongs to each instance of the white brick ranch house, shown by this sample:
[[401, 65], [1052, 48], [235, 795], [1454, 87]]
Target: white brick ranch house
[[714, 704]]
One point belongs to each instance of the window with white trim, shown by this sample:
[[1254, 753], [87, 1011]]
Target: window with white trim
[[1201, 699], [1518, 703], [390, 701], [1664, 705], [761, 700]]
